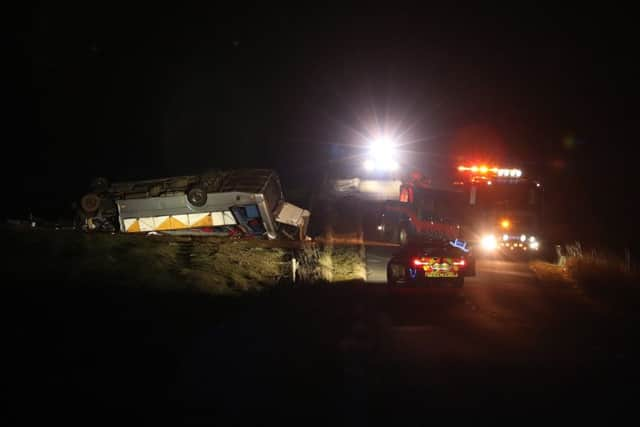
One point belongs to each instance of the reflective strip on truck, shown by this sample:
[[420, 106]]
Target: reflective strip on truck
[[178, 222]]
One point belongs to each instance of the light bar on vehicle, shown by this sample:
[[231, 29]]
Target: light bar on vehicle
[[493, 171], [460, 244]]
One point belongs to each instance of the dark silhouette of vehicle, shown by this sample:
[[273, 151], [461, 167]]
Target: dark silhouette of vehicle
[[426, 261]]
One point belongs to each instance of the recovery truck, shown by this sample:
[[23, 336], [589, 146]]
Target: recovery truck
[[398, 203], [419, 209], [222, 203]]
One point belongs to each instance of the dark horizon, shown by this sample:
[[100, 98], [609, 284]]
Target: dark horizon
[[134, 94]]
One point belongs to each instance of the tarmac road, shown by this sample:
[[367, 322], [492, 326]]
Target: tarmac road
[[339, 354], [369, 353], [504, 338]]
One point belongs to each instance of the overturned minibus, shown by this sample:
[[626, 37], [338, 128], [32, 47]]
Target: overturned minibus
[[246, 202]]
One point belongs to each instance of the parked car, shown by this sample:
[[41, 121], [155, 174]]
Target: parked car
[[428, 261]]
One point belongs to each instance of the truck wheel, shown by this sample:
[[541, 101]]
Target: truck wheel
[[90, 203], [197, 196]]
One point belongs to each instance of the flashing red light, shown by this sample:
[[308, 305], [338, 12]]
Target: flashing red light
[[486, 170], [417, 262]]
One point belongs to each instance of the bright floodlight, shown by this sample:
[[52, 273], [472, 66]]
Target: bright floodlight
[[391, 165], [382, 155], [382, 148]]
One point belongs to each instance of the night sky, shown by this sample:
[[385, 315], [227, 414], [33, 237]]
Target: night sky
[[138, 92]]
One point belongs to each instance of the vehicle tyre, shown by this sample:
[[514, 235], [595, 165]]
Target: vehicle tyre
[[471, 266], [90, 203], [392, 277], [391, 281], [458, 282], [197, 196]]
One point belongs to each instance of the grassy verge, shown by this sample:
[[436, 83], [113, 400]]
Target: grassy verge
[[337, 255], [211, 265], [550, 273], [601, 277]]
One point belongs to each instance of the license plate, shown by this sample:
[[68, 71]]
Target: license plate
[[442, 274], [440, 267]]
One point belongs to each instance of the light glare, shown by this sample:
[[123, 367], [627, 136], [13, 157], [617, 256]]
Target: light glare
[[488, 242]]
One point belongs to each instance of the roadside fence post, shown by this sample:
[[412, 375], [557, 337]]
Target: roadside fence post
[[294, 269], [561, 258]]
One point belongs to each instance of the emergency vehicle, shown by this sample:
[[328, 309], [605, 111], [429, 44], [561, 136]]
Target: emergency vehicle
[[503, 210]]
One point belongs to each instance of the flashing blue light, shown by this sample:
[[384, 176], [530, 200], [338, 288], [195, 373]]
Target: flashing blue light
[[460, 244]]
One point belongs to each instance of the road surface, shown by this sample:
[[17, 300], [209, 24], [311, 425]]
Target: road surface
[[336, 354], [504, 341], [505, 337]]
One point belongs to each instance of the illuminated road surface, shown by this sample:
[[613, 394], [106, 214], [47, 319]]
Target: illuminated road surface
[[503, 336], [339, 353], [504, 340]]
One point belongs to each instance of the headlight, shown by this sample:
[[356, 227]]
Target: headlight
[[488, 242], [534, 245], [532, 239], [505, 237], [523, 237]]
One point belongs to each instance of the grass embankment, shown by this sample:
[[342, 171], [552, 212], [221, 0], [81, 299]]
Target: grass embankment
[[210, 265], [339, 253], [217, 266], [550, 273], [604, 277], [112, 321]]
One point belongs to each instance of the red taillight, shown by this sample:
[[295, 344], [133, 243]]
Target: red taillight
[[460, 263], [418, 262]]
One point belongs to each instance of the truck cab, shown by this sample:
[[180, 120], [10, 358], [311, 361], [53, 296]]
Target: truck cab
[[503, 210]]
